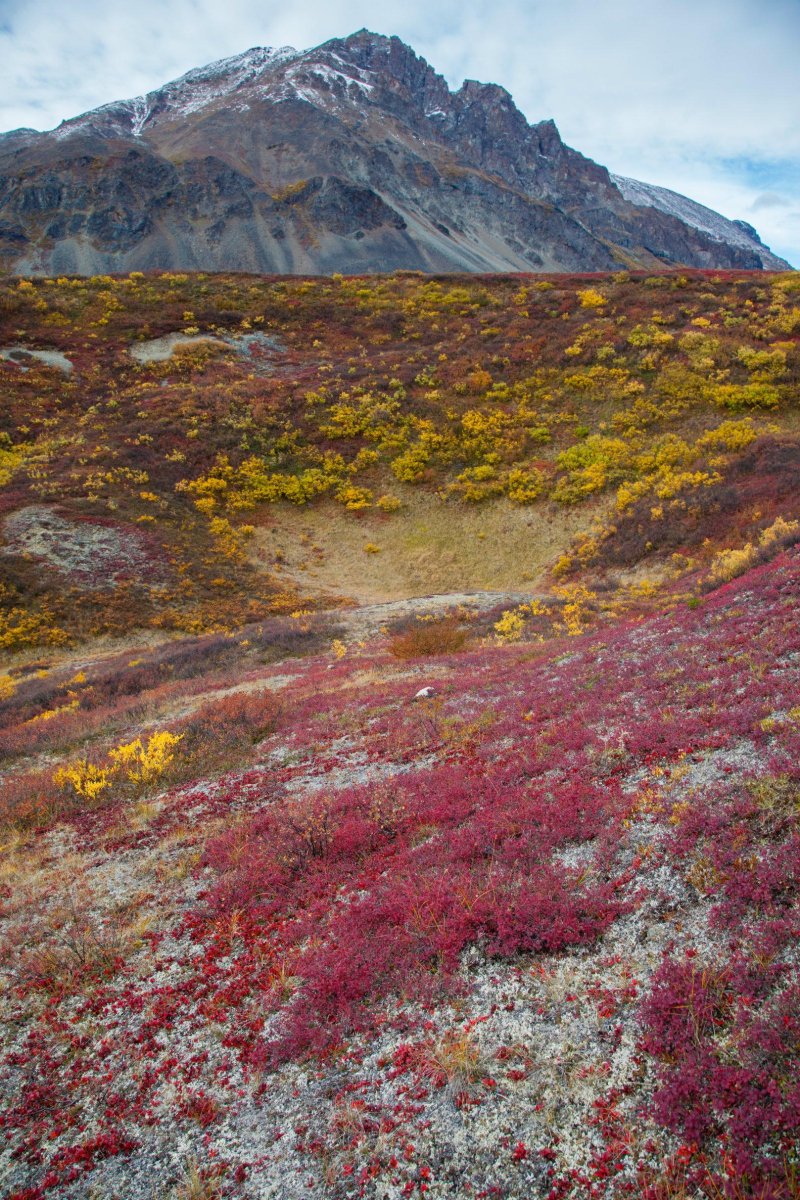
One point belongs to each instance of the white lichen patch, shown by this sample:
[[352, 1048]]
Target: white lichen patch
[[24, 357]]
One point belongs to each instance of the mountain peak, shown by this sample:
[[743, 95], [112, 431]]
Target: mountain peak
[[354, 155], [478, 91], [252, 60]]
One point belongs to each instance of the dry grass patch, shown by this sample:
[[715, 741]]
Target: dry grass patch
[[429, 547]]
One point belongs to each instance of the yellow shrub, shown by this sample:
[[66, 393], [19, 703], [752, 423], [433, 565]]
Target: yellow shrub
[[763, 365], [643, 335], [144, 764], [19, 628], [227, 539], [50, 713], [578, 601], [592, 464], [11, 459], [729, 563], [779, 530], [511, 625], [205, 505], [354, 498], [481, 431], [411, 466], [730, 435], [747, 395], [477, 483], [525, 486], [673, 482], [388, 503], [591, 298], [83, 778], [253, 483]]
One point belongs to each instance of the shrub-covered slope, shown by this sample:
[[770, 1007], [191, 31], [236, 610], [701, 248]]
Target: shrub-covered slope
[[192, 452], [534, 934], [488, 895]]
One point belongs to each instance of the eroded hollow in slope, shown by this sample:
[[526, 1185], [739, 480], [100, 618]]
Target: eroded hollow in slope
[[428, 547]]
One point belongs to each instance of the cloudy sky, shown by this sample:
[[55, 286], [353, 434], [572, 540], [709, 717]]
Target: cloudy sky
[[701, 96]]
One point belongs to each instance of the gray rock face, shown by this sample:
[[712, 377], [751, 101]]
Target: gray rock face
[[352, 157]]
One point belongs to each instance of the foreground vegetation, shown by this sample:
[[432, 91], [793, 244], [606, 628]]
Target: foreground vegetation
[[490, 899], [532, 934]]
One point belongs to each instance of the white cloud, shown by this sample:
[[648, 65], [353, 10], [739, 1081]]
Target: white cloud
[[672, 91], [770, 200]]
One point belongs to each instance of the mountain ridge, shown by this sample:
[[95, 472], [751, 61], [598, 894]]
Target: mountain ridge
[[353, 156]]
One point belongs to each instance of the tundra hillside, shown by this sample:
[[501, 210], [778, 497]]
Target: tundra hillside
[[315, 882], [191, 453]]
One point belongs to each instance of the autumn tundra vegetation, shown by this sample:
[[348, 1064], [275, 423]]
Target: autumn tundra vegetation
[[315, 883]]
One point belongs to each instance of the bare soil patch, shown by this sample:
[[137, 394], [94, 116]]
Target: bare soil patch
[[429, 547]]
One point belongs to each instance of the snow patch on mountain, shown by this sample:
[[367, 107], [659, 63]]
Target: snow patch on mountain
[[649, 195], [110, 120], [323, 85], [317, 82], [141, 111], [202, 86], [188, 94], [238, 66], [330, 76]]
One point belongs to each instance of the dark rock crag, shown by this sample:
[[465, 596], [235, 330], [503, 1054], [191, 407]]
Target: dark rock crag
[[352, 157]]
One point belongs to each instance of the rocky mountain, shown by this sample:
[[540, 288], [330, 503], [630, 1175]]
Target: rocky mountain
[[735, 233], [353, 157]]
